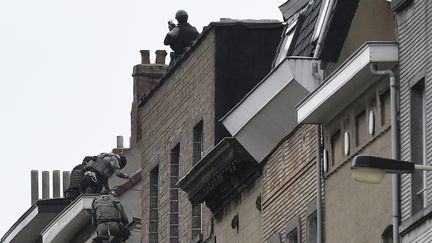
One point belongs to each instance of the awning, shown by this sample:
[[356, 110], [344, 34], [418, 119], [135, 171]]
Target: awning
[[66, 225], [29, 226], [349, 81], [267, 114]]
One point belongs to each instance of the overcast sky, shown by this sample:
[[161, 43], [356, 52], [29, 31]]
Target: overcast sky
[[65, 76]]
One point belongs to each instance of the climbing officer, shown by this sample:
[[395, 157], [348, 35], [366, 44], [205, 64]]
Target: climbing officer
[[98, 171], [75, 188], [109, 218], [180, 36]]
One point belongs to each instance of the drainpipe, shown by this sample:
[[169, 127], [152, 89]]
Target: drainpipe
[[318, 165], [319, 128], [318, 182], [394, 146]]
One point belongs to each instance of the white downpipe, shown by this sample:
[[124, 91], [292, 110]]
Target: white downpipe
[[394, 146]]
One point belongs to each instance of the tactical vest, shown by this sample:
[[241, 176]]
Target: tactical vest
[[105, 209], [187, 34], [102, 166], [75, 176]]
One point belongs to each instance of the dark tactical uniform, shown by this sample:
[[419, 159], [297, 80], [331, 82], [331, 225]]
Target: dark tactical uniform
[[98, 171], [110, 219], [75, 180], [182, 35]]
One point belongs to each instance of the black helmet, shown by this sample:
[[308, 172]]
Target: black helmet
[[88, 159], [123, 161], [181, 16]]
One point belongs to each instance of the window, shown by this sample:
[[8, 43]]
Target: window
[[387, 235], [274, 238], [197, 153], [196, 220], [311, 225], [293, 231], [319, 25], [286, 42], [336, 147], [418, 128], [292, 237], [312, 222], [385, 108], [197, 143], [361, 128], [174, 194], [154, 206]]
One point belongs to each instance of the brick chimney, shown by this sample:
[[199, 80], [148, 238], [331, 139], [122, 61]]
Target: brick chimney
[[145, 77], [145, 56], [160, 56]]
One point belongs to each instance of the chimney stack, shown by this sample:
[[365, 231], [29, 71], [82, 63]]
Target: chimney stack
[[145, 77], [145, 57], [34, 184], [56, 183], [160, 56], [120, 142], [66, 180], [45, 185]]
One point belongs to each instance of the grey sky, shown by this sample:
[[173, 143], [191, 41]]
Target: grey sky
[[65, 76]]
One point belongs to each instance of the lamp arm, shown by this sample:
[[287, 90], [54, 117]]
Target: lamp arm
[[423, 167]]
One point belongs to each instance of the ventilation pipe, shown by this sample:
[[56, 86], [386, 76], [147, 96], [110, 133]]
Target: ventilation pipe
[[394, 145]]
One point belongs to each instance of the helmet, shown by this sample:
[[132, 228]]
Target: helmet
[[181, 16], [88, 159], [123, 161]]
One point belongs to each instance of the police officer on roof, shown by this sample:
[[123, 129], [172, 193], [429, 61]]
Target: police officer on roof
[[75, 181], [109, 218], [98, 171], [180, 36]]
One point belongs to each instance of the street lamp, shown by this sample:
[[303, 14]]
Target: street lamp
[[371, 169]]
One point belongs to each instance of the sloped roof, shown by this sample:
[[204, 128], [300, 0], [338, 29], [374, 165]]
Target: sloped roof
[[302, 43], [291, 7]]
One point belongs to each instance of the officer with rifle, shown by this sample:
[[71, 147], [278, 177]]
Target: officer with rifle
[[180, 36]]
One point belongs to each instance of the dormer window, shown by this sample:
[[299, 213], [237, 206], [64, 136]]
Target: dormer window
[[285, 45], [319, 24]]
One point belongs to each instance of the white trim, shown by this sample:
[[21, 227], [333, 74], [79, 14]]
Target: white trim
[[370, 52], [58, 225], [319, 25], [258, 98], [22, 225]]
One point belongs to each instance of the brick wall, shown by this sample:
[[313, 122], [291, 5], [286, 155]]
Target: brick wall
[[289, 182], [168, 117]]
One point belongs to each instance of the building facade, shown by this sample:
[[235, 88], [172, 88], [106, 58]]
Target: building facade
[[352, 105], [180, 121], [415, 92]]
